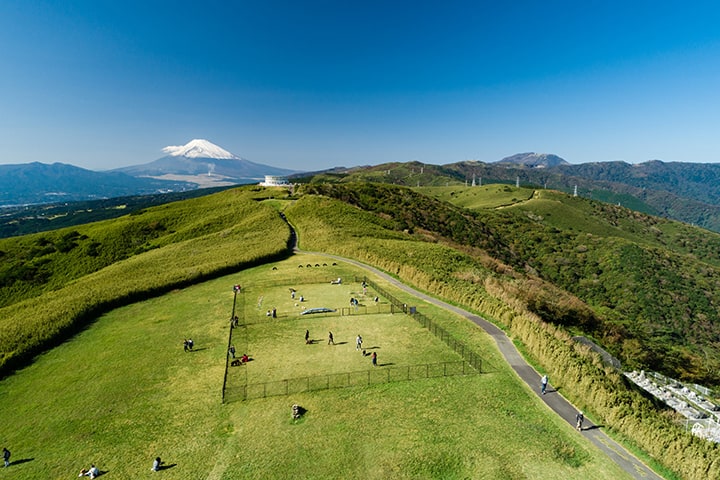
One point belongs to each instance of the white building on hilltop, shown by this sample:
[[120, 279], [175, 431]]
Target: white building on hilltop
[[275, 181]]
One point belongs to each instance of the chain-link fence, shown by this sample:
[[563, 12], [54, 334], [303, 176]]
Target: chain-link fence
[[372, 376], [459, 347]]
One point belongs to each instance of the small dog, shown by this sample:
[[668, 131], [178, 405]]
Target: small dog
[[236, 363]]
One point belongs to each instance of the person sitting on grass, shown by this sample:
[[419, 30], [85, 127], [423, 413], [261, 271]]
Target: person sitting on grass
[[93, 472], [156, 464], [244, 358]]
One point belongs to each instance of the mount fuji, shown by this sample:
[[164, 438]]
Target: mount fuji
[[204, 163]]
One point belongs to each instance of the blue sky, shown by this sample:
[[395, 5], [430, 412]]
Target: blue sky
[[317, 84]]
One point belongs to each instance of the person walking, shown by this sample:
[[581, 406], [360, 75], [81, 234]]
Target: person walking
[[190, 344], [156, 464], [185, 345], [543, 384], [358, 343], [307, 337], [331, 340], [374, 359], [579, 421], [6, 456], [232, 350]]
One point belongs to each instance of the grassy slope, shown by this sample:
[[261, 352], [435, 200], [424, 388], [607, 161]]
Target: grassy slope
[[123, 392], [346, 229], [203, 238]]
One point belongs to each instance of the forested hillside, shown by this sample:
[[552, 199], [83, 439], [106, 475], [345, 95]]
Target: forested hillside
[[682, 191]]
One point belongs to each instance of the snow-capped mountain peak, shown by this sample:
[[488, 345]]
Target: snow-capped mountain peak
[[199, 148]]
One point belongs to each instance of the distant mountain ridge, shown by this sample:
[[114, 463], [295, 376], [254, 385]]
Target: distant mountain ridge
[[689, 192], [38, 183], [197, 164], [534, 160]]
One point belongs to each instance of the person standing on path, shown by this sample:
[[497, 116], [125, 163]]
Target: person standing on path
[[579, 421], [6, 456], [331, 340], [543, 384]]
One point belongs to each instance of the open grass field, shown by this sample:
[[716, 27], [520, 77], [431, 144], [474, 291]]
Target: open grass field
[[485, 196], [123, 391]]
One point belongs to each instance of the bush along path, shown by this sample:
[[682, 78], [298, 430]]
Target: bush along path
[[556, 402]]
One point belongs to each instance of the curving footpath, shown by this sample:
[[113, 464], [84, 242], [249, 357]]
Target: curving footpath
[[617, 453]]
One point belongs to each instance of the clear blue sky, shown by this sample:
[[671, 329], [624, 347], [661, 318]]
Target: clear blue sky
[[316, 84]]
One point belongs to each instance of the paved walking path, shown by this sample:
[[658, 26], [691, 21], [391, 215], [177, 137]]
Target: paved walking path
[[552, 398]]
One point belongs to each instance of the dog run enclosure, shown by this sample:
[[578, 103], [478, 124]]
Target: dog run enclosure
[[236, 386]]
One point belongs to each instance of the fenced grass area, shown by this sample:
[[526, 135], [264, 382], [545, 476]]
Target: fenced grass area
[[271, 328]]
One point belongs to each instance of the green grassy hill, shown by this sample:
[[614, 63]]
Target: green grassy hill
[[54, 283], [541, 264]]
